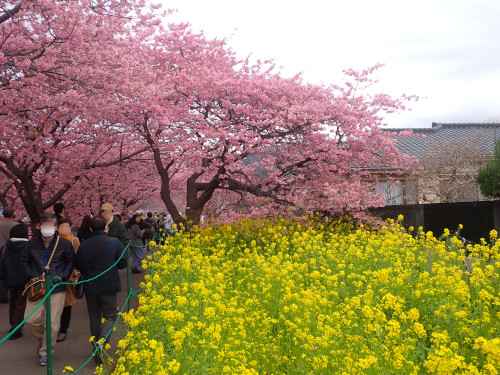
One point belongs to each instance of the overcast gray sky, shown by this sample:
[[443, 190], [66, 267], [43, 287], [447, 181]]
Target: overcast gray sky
[[447, 52]]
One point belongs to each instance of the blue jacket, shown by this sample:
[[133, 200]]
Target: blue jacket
[[112, 251], [36, 257], [13, 275]]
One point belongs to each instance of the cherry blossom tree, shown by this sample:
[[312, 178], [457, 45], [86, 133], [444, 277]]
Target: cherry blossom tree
[[223, 124], [62, 66], [8, 196], [90, 85], [126, 186]]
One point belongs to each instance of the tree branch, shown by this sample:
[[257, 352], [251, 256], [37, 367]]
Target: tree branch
[[116, 161], [9, 13]]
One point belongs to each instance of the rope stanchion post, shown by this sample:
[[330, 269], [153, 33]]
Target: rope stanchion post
[[128, 277], [20, 325], [50, 286], [48, 318]]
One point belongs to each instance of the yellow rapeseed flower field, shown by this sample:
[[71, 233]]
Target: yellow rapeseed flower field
[[295, 297]]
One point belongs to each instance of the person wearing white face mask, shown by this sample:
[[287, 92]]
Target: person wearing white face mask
[[43, 248]]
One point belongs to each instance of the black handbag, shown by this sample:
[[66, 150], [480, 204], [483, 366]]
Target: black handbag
[[79, 291]]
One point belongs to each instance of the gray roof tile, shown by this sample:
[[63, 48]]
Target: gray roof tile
[[486, 135]]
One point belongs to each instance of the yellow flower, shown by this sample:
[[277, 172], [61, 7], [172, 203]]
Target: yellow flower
[[419, 329], [493, 234], [413, 314], [173, 366], [316, 296], [209, 312]]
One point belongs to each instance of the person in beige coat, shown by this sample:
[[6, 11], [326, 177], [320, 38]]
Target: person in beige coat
[[64, 229]]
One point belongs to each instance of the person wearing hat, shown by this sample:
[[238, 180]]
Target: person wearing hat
[[13, 275], [6, 224], [116, 228]]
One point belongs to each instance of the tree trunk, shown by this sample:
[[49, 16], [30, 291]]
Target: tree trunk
[[195, 201], [32, 202], [193, 215]]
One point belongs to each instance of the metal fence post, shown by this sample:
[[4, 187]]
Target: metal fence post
[[128, 276], [48, 318]]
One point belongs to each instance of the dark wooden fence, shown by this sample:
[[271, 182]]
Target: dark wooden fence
[[478, 218]]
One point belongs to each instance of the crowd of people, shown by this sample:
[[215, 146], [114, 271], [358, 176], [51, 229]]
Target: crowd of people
[[99, 243]]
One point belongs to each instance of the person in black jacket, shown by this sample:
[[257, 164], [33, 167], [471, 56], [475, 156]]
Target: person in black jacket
[[115, 227], [39, 251], [84, 232], [151, 229], [13, 276], [96, 255]]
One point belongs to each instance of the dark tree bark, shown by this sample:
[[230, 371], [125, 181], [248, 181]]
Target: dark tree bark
[[9, 13]]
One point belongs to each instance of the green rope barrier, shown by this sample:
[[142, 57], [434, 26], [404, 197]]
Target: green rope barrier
[[57, 284], [54, 286], [114, 264], [130, 294], [31, 313], [102, 273], [127, 302]]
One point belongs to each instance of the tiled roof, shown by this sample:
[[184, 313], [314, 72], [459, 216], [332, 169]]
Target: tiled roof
[[485, 134]]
